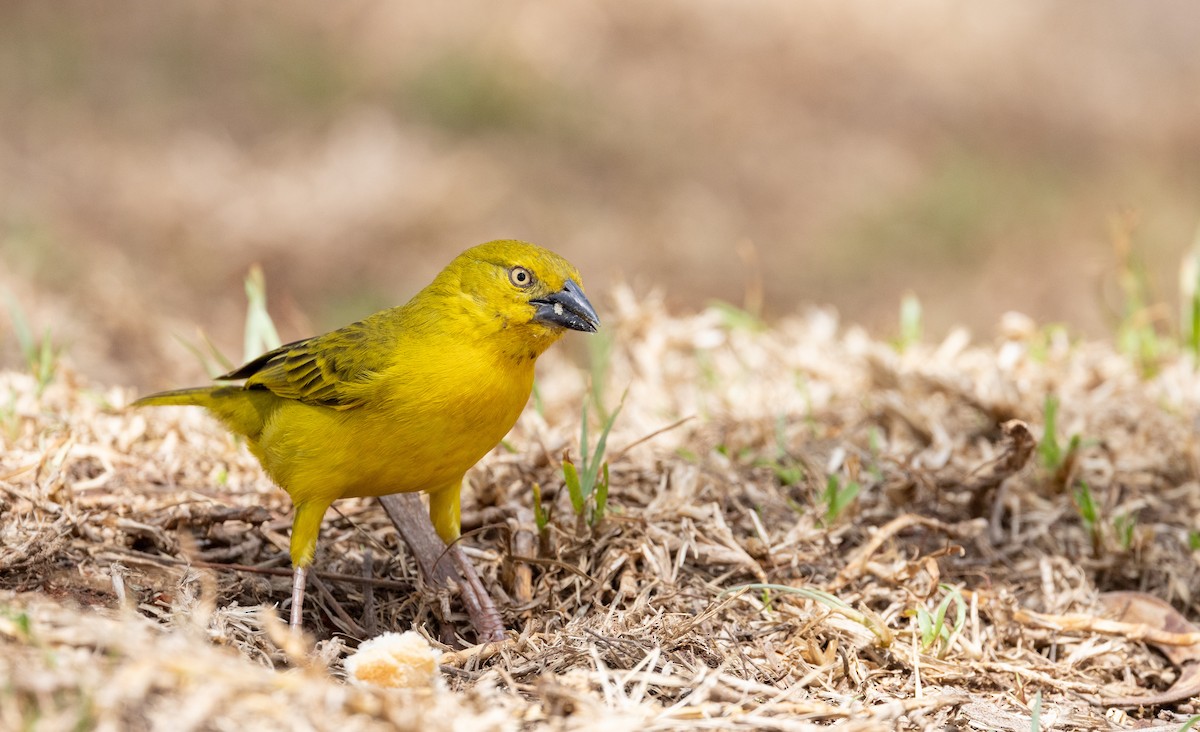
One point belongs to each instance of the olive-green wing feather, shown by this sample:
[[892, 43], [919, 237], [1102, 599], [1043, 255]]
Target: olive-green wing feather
[[332, 370]]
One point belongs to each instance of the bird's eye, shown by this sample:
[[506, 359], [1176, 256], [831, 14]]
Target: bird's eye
[[520, 277]]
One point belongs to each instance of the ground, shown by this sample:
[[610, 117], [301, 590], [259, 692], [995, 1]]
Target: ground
[[805, 526]]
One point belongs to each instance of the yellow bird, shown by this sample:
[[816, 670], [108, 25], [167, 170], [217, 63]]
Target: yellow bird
[[405, 400]]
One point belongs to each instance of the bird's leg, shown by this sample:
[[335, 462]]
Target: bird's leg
[[306, 526], [299, 578], [412, 520]]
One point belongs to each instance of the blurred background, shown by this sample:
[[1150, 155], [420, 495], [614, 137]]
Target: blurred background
[[774, 154]]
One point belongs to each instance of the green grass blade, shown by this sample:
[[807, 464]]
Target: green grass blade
[[601, 497], [599, 357], [261, 335], [574, 489], [830, 601], [591, 469], [925, 626], [1189, 297], [210, 357], [45, 361], [736, 318], [20, 324], [910, 322], [583, 435], [540, 517], [1049, 448], [1089, 513]]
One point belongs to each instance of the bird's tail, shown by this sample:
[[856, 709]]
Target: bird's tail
[[200, 396], [242, 410]]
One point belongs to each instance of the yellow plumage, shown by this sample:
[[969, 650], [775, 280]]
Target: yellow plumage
[[407, 399]]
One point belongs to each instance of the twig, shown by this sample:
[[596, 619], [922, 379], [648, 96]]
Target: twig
[[412, 521], [1082, 622], [677, 423], [351, 626], [858, 563], [368, 609], [340, 577], [524, 543]]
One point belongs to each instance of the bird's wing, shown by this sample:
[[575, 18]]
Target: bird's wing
[[332, 370]]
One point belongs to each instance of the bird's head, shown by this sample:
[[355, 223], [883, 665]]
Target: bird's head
[[522, 288]]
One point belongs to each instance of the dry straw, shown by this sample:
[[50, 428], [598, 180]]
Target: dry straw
[[143, 554]]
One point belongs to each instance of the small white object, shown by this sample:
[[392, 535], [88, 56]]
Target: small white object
[[395, 660]]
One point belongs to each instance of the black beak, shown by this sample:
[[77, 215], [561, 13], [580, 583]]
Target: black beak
[[568, 308]]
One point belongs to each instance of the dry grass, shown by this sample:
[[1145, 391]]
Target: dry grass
[[119, 608]]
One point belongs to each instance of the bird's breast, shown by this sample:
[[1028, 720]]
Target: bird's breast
[[423, 428]]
